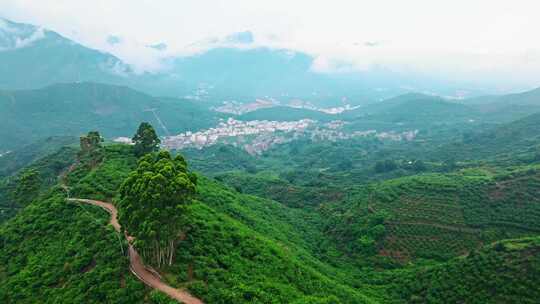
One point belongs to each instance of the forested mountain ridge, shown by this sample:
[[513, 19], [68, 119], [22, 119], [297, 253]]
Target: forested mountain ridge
[[73, 108], [506, 141]]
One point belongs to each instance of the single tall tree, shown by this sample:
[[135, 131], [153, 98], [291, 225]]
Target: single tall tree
[[152, 205], [146, 140]]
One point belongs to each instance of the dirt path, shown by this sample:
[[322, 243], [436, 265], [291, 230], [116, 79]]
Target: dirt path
[[136, 265]]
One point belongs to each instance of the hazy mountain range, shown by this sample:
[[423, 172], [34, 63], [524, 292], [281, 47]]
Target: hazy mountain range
[[33, 57]]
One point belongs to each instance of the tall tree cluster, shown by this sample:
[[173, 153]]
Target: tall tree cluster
[[91, 148], [152, 204], [145, 140]]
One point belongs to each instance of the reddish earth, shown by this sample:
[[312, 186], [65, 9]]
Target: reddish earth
[[136, 265]]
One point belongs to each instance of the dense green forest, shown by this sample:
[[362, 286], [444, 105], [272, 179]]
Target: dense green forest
[[232, 240], [504, 272], [262, 238], [450, 216]]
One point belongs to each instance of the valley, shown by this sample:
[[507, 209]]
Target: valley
[[373, 156]]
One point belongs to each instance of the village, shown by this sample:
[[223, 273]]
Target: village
[[257, 136]]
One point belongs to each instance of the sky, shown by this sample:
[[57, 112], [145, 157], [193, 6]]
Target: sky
[[468, 39]]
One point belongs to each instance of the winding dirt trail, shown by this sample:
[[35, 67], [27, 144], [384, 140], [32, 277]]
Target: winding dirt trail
[[136, 265]]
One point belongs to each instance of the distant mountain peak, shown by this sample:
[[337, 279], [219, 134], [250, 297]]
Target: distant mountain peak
[[18, 35]]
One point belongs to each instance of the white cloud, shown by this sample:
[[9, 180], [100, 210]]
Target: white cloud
[[469, 39], [15, 37], [21, 42]]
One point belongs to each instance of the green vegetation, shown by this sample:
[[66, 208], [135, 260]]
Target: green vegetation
[[240, 248], [270, 186], [152, 205], [15, 160], [439, 216], [28, 186], [224, 225], [74, 108], [363, 220], [412, 111], [102, 181], [505, 272], [506, 141], [145, 140], [449, 213], [36, 178], [220, 158], [59, 252]]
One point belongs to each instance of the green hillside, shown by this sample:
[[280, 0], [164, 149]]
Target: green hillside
[[57, 252], [236, 242], [504, 272], [47, 169], [437, 216], [504, 141], [12, 161], [74, 108], [414, 110], [359, 246]]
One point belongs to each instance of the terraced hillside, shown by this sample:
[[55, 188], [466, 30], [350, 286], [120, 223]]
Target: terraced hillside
[[439, 216], [504, 272]]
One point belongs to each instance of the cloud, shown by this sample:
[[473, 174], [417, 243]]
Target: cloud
[[372, 43], [112, 40], [322, 64], [158, 46], [21, 42], [16, 36], [486, 40]]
